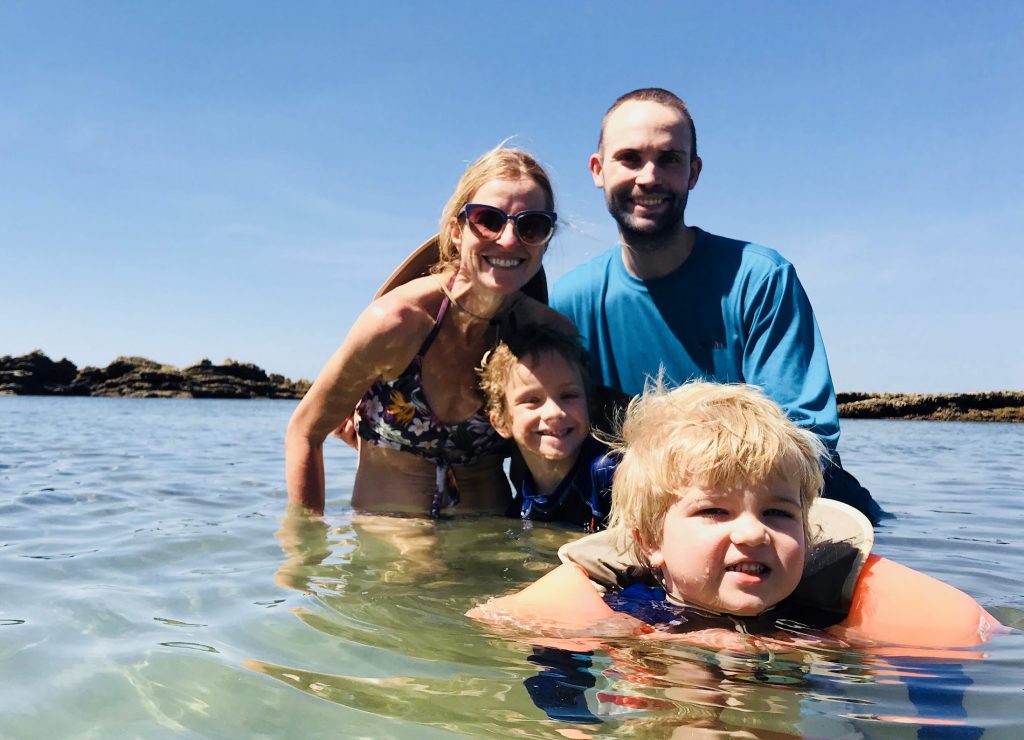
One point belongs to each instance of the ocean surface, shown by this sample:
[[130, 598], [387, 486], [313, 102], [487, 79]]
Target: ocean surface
[[152, 585]]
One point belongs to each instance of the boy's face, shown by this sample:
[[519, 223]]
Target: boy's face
[[547, 412], [735, 550]]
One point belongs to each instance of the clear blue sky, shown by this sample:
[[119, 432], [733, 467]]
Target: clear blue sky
[[182, 180]]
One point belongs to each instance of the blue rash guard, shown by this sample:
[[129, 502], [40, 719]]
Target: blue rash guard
[[733, 312]]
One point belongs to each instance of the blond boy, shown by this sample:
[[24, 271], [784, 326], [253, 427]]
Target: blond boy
[[712, 494], [716, 508]]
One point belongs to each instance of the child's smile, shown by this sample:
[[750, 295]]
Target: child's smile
[[547, 410], [749, 568]]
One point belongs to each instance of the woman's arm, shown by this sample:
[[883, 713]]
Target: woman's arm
[[381, 344]]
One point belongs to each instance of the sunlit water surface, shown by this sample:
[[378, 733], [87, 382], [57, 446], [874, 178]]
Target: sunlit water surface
[[151, 586]]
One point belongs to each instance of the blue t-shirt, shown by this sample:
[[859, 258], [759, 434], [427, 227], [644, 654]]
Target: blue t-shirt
[[583, 498], [733, 312]]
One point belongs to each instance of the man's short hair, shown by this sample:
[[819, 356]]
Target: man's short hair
[[653, 95], [709, 435], [527, 344]]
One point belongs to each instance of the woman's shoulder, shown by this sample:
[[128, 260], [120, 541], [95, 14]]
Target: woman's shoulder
[[408, 310]]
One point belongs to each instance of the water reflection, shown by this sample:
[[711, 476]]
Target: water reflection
[[172, 532], [391, 593], [399, 581]]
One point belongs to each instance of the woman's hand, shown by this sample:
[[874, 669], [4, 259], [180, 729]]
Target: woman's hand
[[346, 432]]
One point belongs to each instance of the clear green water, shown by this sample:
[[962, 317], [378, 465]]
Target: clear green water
[[151, 585]]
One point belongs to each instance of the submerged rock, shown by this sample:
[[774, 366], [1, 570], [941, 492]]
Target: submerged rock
[[139, 377]]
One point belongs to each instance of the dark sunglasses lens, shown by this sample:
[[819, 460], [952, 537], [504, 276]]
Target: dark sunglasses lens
[[534, 228], [489, 222]]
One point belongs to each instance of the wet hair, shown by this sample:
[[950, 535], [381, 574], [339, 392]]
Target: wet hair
[[527, 344], [653, 95], [500, 163], [709, 435]]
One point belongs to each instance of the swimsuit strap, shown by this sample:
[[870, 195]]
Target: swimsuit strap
[[441, 313], [446, 488]]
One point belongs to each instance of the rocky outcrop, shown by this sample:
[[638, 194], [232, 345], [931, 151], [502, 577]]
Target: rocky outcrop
[[990, 406], [35, 374], [218, 381], [138, 377]]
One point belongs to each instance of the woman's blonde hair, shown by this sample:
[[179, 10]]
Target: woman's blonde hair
[[709, 435], [500, 163]]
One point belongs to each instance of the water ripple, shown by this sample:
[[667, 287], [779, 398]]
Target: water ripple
[[116, 510]]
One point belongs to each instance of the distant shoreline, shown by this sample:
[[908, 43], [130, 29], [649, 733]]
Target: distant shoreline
[[1005, 406], [35, 374]]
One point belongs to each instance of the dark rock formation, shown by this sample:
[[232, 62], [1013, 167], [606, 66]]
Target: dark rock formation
[[37, 374], [239, 380], [990, 406], [132, 376]]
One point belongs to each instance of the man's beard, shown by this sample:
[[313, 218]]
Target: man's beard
[[648, 235]]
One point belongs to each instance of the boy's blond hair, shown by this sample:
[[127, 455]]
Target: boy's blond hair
[[709, 435], [527, 344]]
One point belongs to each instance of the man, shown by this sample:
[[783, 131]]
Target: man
[[696, 304]]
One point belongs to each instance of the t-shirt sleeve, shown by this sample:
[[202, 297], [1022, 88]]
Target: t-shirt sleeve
[[785, 355]]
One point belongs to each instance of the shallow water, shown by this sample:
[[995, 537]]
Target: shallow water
[[151, 586]]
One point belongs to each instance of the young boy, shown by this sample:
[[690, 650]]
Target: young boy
[[718, 538], [711, 502], [715, 508], [537, 391]]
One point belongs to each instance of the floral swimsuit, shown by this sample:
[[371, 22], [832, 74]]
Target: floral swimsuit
[[395, 414]]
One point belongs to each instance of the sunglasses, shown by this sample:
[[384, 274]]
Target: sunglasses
[[534, 228]]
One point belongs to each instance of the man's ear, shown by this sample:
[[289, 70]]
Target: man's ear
[[500, 424], [596, 171], [696, 165]]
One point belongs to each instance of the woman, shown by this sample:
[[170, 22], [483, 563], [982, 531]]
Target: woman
[[410, 360]]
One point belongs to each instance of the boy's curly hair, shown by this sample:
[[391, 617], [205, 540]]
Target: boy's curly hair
[[527, 344]]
